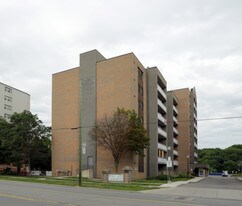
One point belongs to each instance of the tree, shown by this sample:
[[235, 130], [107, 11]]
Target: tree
[[4, 128], [121, 132], [26, 140], [221, 159]]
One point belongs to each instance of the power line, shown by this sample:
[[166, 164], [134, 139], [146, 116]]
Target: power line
[[205, 119], [220, 118]]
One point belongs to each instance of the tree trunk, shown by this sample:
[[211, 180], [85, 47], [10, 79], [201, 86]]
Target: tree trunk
[[18, 170], [116, 162]]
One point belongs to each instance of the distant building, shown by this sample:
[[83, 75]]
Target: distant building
[[12, 100], [186, 101]]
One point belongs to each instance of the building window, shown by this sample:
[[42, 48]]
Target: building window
[[141, 162], [7, 116], [7, 107], [8, 89], [140, 105], [7, 98], [140, 73], [140, 90]]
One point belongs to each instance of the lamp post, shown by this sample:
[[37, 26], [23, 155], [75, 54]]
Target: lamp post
[[188, 164], [168, 164]]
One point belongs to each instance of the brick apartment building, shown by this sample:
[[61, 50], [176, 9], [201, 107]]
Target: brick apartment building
[[185, 152], [87, 93]]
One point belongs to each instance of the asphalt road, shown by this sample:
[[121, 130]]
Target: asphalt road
[[31, 194], [218, 182]]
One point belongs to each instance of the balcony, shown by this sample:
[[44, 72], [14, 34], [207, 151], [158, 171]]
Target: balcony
[[162, 106], [162, 160], [175, 109], [175, 120], [175, 162], [195, 126], [175, 141], [195, 135], [162, 119], [195, 144], [175, 152], [162, 147], [161, 92], [175, 130], [195, 117], [162, 132], [195, 106], [195, 154]]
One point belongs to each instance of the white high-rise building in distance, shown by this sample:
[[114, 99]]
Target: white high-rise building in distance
[[12, 100]]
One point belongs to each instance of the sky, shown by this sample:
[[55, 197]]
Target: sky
[[194, 43]]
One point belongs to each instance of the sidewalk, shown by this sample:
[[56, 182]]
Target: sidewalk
[[171, 189], [175, 184]]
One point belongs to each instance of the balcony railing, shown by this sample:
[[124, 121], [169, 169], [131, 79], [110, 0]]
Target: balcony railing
[[162, 105], [195, 106], [162, 147], [175, 119], [162, 132], [195, 117], [175, 152], [161, 118], [175, 130], [175, 109], [161, 91], [175, 141], [195, 154], [195, 134], [162, 160], [195, 144], [195, 126]]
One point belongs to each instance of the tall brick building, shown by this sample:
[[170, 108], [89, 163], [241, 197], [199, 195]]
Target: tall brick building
[[187, 127], [85, 94]]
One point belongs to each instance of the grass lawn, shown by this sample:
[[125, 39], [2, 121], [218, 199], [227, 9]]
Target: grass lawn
[[73, 181]]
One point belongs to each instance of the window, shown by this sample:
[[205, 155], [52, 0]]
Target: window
[[140, 89], [7, 116], [7, 107], [140, 73], [141, 162], [8, 89], [7, 98], [140, 105]]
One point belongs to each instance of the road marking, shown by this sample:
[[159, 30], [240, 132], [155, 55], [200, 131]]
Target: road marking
[[28, 198], [96, 196]]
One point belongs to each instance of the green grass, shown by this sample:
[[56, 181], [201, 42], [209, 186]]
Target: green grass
[[73, 181], [237, 175]]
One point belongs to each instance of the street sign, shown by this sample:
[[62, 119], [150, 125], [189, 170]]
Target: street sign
[[169, 163]]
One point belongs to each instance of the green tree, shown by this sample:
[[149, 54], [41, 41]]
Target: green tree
[[26, 141], [4, 130], [221, 159], [121, 132]]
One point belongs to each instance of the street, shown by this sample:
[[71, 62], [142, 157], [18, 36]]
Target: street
[[32, 194]]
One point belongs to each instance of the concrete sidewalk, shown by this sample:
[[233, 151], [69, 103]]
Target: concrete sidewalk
[[171, 189], [175, 184]]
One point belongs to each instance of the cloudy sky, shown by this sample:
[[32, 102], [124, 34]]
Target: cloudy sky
[[193, 43]]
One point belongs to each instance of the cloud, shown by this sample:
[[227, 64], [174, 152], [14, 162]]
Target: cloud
[[193, 43]]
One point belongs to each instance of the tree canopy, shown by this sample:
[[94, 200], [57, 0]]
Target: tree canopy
[[119, 133], [25, 140], [221, 159]]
